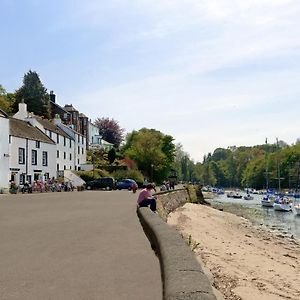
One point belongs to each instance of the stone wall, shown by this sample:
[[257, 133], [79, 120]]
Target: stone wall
[[168, 201]]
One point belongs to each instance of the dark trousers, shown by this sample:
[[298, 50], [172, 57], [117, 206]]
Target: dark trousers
[[151, 202]]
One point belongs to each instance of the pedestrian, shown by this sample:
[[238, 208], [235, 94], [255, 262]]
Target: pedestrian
[[145, 197]]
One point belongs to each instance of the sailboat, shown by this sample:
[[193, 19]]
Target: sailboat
[[281, 203], [268, 199], [296, 195]]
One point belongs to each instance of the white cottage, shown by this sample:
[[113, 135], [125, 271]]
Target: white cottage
[[70, 145], [79, 143], [4, 151], [32, 153]]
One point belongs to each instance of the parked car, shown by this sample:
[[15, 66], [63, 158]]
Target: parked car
[[125, 184], [107, 183]]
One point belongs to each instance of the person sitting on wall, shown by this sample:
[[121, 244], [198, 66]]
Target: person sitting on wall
[[145, 197]]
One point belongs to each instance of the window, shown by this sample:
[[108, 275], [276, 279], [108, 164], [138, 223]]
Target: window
[[28, 178], [57, 138], [21, 156], [57, 167], [78, 150], [33, 157], [81, 150], [70, 142], [22, 179], [10, 139], [45, 158], [50, 134], [37, 144], [70, 156], [64, 167], [78, 138], [64, 141], [82, 140], [64, 155], [57, 153]]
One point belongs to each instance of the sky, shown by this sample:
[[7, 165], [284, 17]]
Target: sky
[[210, 73]]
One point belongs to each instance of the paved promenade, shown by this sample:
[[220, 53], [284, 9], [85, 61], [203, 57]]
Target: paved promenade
[[77, 245]]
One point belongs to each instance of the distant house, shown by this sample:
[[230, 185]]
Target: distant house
[[4, 151], [96, 140], [70, 116], [32, 153]]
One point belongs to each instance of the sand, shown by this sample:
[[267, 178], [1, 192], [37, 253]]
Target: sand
[[246, 261]]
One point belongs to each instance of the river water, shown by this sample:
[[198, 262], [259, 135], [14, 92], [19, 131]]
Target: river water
[[286, 223]]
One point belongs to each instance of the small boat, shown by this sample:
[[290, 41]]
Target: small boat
[[230, 195], [297, 209], [283, 204], [248, 197], [267, 201], [237, 195]]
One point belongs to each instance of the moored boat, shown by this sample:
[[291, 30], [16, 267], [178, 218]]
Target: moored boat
[[248, 197], [267, 201], [297, 209], [283, 204]]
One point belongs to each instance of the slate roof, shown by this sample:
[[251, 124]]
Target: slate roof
[[3, 113], [23, 129], [50, 126], [69, 108]]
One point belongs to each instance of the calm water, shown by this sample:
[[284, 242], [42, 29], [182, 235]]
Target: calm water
[[287, 223]]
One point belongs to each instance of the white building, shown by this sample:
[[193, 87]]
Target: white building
[[70, 145], [96, 140], [79, 143], [4, 151], [32, 153]]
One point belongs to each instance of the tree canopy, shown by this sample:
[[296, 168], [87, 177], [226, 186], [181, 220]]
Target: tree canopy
[[110, 130], [255, 166], [152, 151], [6, 100], [34, 94]]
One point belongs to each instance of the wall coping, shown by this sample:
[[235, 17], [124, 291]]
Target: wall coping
[[182, 276]]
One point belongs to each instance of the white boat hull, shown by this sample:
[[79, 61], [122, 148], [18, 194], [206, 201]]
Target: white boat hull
[[267, 203], [282, 207], [297, 209]]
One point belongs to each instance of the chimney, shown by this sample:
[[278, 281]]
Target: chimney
[[52, 96], [22, 114]]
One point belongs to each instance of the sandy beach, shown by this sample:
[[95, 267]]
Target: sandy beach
[[245, 260]]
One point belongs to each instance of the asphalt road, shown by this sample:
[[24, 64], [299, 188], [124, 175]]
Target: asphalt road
[[77, 245]]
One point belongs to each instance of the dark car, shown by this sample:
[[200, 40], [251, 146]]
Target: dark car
[[125, 184], [107, 183]]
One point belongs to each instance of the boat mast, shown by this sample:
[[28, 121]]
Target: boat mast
[[278, 168], [297, 181], [267, 173]]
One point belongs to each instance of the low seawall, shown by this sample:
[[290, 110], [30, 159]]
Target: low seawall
[[182, 276]]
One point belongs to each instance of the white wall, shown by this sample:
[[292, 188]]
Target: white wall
[[4, 150], [27, 168]]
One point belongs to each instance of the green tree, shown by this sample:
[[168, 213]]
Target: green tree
[[111, 155], [34, 95], [152, 151], [6, 100]]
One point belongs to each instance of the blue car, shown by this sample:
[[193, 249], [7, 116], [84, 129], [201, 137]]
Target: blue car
[[125, 184]]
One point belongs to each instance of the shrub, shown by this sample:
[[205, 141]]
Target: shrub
[[132, 174], [93, 174]]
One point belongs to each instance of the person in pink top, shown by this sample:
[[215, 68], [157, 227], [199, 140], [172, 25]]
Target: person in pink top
[[145, 198]]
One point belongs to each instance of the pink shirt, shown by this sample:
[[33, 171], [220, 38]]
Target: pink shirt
[[144, 194]]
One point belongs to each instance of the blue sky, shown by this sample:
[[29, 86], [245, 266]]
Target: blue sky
[[211, 73]]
